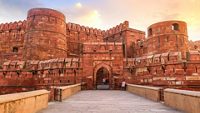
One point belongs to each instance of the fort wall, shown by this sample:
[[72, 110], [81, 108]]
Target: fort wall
[[194, 45], [12, 40], [166, 69], [46, 28], [168, 36], [46, 51], [107, 55], [28, 75], [77, 35]]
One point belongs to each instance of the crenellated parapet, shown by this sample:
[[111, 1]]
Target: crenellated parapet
[[17, 25], [12, 40], [72, 27], [45, 50], [117, 29], [81, 33], [194, 45], [78, 34], [17, 28]]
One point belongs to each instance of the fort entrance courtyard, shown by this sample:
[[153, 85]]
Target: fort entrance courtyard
[[79, 69], [109, 101]]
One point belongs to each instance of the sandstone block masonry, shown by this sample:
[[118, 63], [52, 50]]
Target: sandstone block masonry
[[28, 102], [45, 50]]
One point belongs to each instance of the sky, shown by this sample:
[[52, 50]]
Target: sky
[[105, 14]]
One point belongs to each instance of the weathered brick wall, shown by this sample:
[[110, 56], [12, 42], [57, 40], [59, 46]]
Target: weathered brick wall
[[128, 36], [115, 34], [46, 28], [12, 40], [17, 76], [167, 36], [77, 35], [97, 55], [194, 45], [163, 58], [167, 69], [134, 39]]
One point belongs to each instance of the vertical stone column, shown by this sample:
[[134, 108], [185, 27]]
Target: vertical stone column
[[46, 35]]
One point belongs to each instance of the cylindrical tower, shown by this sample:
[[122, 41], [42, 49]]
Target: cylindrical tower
[[168, 36], [45, 36]]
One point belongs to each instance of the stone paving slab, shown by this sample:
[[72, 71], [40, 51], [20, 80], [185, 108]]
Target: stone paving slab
[[107, 101]]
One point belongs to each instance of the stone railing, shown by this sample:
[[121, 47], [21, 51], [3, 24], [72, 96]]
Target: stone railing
[[62, 93], [152, 93], [26, 102], [187, 101]]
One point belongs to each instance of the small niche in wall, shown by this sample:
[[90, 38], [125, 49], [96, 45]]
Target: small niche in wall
[[175, 27], [15, 49], [150, 32]]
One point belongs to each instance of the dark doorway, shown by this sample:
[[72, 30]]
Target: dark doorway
[[102, 79]]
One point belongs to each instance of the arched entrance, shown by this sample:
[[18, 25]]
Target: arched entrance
[[102, 76], [102, 79]]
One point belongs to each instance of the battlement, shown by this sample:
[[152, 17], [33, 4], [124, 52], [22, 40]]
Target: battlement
[[17, 25], [88, 30], [194, 45], [45, 51], [12, 40], [106, 33], [117, 29]]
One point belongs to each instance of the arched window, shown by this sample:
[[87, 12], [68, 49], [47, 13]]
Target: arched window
[[175, 27], [150, 31]]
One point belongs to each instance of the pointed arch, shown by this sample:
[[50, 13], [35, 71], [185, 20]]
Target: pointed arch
[[100, 66]]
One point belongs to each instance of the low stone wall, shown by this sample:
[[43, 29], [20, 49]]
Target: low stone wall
[[152, 93], [62, 93], [26, 102], [187, 101]]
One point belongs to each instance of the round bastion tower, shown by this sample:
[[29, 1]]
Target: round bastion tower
[[168, 36], [46, 35]]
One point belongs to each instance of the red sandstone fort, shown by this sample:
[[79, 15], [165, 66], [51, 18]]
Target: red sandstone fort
[[46, 51]]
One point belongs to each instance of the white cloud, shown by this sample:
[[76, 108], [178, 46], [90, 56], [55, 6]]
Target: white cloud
[[91, 18], [78, 5]]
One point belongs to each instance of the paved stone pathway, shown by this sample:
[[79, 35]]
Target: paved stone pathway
[[102, 101]]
